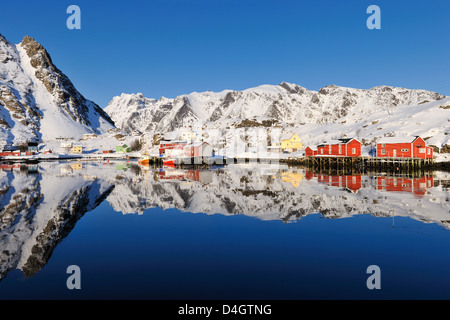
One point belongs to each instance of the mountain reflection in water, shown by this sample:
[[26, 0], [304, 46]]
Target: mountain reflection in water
[[41, 204]]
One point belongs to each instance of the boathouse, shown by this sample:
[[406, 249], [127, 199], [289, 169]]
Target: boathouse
[[169, 144], [404, 147], [198, 150], [309, 152], [348, 147]]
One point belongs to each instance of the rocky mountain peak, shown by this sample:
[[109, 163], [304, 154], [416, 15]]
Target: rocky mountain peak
[[38, 101]]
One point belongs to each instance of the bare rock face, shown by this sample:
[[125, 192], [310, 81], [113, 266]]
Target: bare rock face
[[58, 84], [34, 91]]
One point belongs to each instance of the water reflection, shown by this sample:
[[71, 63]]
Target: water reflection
[[41, 204]]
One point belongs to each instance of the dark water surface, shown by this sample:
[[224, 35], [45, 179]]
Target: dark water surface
[[239, 232]]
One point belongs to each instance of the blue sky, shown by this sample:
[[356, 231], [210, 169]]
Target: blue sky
[[172, 47]]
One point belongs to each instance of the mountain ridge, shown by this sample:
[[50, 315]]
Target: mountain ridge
[[332, 109], [38, 101]]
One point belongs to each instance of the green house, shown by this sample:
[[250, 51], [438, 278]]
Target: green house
[[123, 148]]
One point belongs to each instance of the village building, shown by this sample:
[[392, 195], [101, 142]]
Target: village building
[[32, 147], [169, 144], [175, 152], [310, 152], [66, 144], [187, 135], [404, 147], [10, 153], [77, 149], [123, 148], [290, 142], [348, 147], [199, 151]]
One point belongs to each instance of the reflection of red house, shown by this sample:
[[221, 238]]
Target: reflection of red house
[[309, 175], [404, 147], [341, 147], [171, 175], [352, 183], [186, 175], [9, 167], [418, 186]]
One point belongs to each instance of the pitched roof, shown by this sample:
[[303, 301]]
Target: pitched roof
[[387, 140], [287, 135], [338, 141]]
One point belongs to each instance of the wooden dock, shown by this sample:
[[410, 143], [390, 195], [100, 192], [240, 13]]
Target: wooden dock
[[362, 164]]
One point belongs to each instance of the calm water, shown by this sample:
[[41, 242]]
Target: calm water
[[238, 232]]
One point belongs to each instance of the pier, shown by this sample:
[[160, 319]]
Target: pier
[[362, 164]]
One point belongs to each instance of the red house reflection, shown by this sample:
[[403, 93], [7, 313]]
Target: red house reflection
[[204, 177], [352, 182], [417, 186]]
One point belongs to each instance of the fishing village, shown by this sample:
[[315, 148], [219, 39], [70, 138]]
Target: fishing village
[[185, 149]]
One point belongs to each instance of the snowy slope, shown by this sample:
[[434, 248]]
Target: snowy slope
[[330, 113], [37, 101]]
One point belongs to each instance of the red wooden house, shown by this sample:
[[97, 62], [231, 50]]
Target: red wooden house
[[309, 152], [9, 153], [340, 148], [168, 145], [404, 147]]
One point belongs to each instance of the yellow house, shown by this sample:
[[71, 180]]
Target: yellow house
[[77, 149], [290, 142]]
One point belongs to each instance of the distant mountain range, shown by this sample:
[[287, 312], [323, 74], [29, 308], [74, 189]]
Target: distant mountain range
[[332, 112], [37, 101]]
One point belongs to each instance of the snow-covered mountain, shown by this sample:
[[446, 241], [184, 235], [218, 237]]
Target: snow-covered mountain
[[39, 102], [316, 115]]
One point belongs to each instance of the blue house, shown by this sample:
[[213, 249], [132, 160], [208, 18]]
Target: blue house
[[32, 147]]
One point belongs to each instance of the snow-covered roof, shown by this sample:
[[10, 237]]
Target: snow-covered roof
[[287, 136], [338, 141], [387, 140]]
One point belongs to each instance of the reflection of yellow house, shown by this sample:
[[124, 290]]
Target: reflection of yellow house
[[77, 149], [292, 177], [290, 142], [77, 166]]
